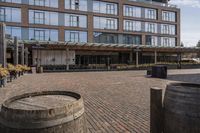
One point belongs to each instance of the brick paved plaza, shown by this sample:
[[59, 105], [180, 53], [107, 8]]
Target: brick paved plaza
[[115, 102]]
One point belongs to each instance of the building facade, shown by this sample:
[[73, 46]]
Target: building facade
[[130, 22]]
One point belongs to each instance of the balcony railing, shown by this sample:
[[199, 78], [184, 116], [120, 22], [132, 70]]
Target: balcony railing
[[156, 3]]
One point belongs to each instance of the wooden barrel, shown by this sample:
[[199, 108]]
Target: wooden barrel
[[43, 112], [182, 108]]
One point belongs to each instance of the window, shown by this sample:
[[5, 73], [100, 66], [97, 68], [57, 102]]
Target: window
[[150, 13], [39, 17], [39, 35], [43, 17], [132, 11], [43, 34], [168, 29], [132, 39], [110, 24], [105, 7], [74, 21], [76, 5], [151, 27], [130, 25], [100, 37], [75, 36], [11, 1], [8, 14], [2, 14], [105, 23], [168, 42], [47, 3], [14, 31], [168, 16], [152, 40]]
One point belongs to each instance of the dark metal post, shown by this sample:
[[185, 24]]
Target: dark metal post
[[156, 111], [3, 47]]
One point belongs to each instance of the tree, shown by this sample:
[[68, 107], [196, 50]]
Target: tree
[[198, 44]]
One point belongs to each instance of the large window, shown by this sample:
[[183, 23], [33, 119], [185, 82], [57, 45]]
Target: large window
[[14, 31], [47, 3], [150, 13], [43, 34], [152, 40], [168, 16], [132, 39], [151, 27], [168, 29], [12, 1], [100, 37], [8, 14], [132, 11], [105, 23], [75, 36], [43, 17], [168, 42], [130, 25], [74, 20], [76, 5], [105, 7]]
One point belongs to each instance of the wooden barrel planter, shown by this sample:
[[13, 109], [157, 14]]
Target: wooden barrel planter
[[182, 108], [43, 112]]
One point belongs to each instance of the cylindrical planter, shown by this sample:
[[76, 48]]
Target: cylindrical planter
[[182, 108], [44, 112]]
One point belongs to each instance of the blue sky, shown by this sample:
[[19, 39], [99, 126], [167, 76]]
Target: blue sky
[[190, 21]]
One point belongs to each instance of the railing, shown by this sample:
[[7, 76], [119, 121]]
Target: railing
[[156, 3]]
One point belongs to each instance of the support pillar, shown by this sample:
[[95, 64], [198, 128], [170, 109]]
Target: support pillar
[[22, 54], [179, 58], [155, 57], [26, 56], [67, 59], [16, 52], [131, 57], [137, 58], [3, 60]]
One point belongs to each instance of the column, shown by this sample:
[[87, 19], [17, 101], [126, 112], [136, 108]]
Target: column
[[90, 27], [67, 58], [131, 57], [137, 59], [26, 56], [3, 47], [155, 57], [22, 54], [16, 51]]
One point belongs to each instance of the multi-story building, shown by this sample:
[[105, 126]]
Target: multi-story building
[[145, 23]]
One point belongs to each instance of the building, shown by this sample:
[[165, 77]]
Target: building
[[103, 31]]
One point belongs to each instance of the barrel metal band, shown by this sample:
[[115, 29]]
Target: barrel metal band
[[40, 124]]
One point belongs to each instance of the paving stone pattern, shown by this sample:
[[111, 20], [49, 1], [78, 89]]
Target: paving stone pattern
[[115, 102]]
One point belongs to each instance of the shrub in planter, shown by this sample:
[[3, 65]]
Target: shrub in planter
[[3, 76], [19, 69], [12, 70]]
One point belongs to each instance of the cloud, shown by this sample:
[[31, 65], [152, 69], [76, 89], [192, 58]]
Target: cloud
[[190, 3]]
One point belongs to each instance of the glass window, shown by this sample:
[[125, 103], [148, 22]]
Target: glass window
[[75, 36], [76, 5], [168, 29], [76, 20], [151, 27], [105, 23], [105, 7], [130, 25], [11, 1], [14, 31], [150, 13], [43, 17], [168, 42], [100, 37], [43, 34], [47, 3], [152, 40], [9, 14], [132, 11], [132, 39], [168, 16]]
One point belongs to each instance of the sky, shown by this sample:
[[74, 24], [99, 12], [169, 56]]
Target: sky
[[190, 21]]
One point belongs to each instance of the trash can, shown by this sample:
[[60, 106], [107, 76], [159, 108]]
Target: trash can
[[159, 71]]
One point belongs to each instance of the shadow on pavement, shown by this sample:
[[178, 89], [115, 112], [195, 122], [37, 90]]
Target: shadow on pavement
[[192, 78]]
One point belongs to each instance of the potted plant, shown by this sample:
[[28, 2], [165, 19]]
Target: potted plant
[[19, 69], [3, 76], [12, 71]]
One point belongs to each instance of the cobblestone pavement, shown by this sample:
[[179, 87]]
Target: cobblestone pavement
[[115, 102]]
